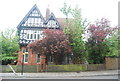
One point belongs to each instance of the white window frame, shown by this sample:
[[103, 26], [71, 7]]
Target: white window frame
[[26, 52], [33, 32]]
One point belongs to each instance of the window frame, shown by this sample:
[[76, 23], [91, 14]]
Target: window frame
[[26, 53]]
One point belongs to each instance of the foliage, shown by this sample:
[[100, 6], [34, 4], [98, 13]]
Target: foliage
[[97, 43], [73, 68], [54, 43], [9, 45], [66, 10], [74, 29], [112, 44]]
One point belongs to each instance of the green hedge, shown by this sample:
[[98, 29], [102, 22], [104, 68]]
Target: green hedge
[[5, 68], [55, 68], [18, 68], [66, 68]]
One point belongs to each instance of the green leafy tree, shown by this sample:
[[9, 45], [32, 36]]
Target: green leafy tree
[[75, 29], [66, 10], [112, 45], [9, 42]]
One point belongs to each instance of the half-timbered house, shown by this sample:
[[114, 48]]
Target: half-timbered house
[[30, 29]]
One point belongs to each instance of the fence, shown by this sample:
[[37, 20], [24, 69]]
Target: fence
[[112, 63]]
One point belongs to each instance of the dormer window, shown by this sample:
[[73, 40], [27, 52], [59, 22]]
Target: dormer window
[[52, 21]]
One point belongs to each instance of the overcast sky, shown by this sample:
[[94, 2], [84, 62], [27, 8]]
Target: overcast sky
[[13, 11]]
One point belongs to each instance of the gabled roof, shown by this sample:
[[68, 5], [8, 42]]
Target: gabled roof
[[28, 16], [52, 17], [62, 22]]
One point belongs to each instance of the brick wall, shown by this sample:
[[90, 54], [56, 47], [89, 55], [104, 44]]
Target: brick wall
[[31, 57], [20, 56]]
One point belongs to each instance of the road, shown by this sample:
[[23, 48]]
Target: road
[[68, 77], [63, 77], [111, 74], [101, 77]]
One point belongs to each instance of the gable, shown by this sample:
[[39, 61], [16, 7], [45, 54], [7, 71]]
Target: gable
[[52, 22], [32, 19]]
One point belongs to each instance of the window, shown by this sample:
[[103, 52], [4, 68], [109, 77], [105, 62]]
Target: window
[[51, 59], [25, 55], [27, 36], [38, 36], [31, 36], [21, 31], [26, 58], [38, 58], [24, 36], [34, 36]]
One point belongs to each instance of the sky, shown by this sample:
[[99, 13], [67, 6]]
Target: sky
[[13, 11]]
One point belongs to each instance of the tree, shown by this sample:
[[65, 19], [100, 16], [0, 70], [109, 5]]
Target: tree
[[54, 43], [97, 44], [75, 29], [9, 42], [66, 10], [112, 44]]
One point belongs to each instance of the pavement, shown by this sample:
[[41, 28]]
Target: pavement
[[60, 74]]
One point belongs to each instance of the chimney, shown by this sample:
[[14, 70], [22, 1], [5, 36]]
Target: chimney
[[47, 12]]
